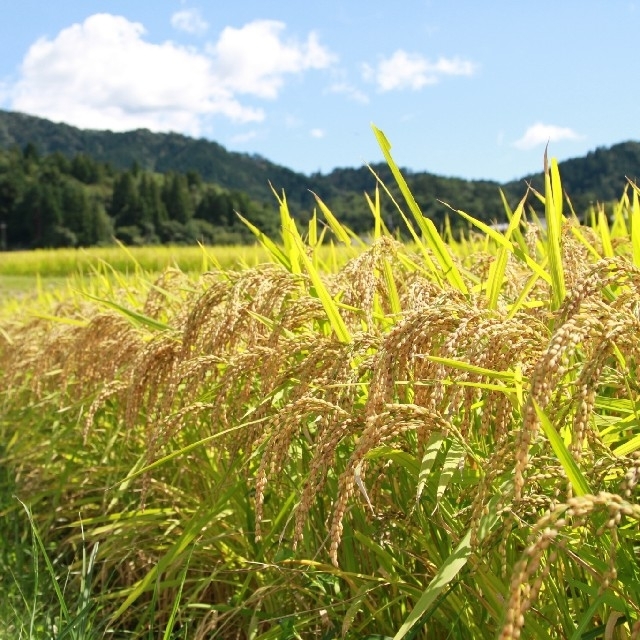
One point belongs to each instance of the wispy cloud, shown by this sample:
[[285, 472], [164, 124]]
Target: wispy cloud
[[350, 91], [404, 70], [122, 81], [317, 133], [189, 20], [540, 133]]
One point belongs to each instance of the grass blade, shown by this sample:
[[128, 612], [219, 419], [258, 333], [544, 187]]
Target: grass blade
[[553, 215], [337, 228], [447, 572], [577, 479], [426, 226], [137, 318]]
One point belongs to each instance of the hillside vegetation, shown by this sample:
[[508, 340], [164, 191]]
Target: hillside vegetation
[[150, 187]]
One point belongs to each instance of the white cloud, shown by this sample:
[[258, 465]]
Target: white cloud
[[255, 59], [539, 134], [122, 81], [189, 20], [412, 71], [317, 133]]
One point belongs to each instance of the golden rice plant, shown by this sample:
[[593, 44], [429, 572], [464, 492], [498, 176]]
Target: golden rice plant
[[434, 439]]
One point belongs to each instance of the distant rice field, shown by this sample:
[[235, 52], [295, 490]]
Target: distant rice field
[[67, 262]]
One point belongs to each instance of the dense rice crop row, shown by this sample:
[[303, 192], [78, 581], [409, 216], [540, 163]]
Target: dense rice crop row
[[435, 441]]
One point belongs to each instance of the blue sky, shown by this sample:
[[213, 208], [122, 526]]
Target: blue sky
[[460, 87]]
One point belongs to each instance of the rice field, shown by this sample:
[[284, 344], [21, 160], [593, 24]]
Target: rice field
[[429, 440]]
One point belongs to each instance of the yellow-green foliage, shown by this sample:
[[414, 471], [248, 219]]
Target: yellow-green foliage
[[435, 440], [67, 262]]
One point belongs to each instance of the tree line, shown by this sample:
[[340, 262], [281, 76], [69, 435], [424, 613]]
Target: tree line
[[55, 201], [65, 199]]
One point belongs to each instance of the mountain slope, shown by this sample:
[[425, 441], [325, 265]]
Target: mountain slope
[[599, 176], [157, 152]]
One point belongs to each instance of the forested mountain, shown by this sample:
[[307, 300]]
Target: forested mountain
[[64, 186], [158, 152]]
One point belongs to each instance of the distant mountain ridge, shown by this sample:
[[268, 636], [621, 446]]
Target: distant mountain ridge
[[159, 152], [598, 176]]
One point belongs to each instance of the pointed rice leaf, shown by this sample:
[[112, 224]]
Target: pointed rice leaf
[[556, 186], [455, 456], [336, 227], [379, 227], [331, 308], [75, 322], [428, 459], [503, 242], [137, 471], [553, 215], [137, 318], [293, 249], [36, 535], [628, 447], [605, 234], [581, 633], [517, 231], [430, 233], [288, 231], [621, 210], [186, 538], [391, 288], [354, 607], [507, 376], [312, 239], [313, 230], [447, 232], [635, 225], [495, 278], [284, 216], [496, 275], [431, 270], [168, 631], [274, 251], [583, 240], [522, 297], [448, 571], [476, 385], [270, 324], [577, 479]]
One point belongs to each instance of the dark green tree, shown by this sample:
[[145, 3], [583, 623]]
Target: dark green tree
[[151, 203], [85, 169], [41, 210], [177, 198], [125, 201]]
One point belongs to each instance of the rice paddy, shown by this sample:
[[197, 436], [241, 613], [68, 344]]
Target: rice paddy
[[428, 440]]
